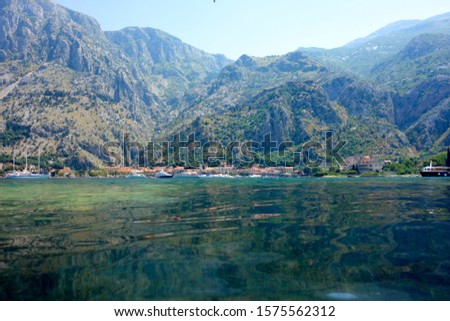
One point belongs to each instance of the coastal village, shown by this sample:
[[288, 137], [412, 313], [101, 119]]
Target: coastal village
[[359, 165]]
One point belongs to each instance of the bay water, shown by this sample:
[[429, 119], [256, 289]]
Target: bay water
[[225, 239]]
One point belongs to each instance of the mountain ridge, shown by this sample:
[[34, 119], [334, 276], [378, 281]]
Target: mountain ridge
[[360, 55], [68, 87], [62, 77]]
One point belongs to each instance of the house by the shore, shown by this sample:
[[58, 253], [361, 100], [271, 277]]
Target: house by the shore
[[363, 164]]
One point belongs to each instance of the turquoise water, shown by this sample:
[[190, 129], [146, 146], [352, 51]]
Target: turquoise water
[[225, 239]]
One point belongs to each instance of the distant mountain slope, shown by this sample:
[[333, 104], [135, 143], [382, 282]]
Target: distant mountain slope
[[294, 111], [361, 55], [388, 31], [173, 68], [421, 74], [151, 48], [239, 82], [425, 56], [432, 130], [295, 99], [411, 58]]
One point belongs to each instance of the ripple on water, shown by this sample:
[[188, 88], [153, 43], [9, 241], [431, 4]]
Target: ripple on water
[[386, 239]]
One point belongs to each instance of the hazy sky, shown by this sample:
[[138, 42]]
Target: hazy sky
[[258, 27]]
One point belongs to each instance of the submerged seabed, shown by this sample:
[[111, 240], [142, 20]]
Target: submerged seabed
[[222, 239]]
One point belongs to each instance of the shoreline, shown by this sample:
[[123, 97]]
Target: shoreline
[[227, 177]]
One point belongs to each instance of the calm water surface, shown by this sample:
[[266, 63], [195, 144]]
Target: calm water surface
[[225, 239]]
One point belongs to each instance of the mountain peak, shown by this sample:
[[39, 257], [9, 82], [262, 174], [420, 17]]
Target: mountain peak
[[246, 61], [42, 31], [385, 31], [441, 17]]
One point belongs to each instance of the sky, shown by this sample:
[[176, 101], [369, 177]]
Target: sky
[[258, 27]]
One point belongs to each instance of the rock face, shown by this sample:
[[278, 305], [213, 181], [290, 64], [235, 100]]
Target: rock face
[[76, 87], [150, 47], [291, 112], [421, 73], [67, 87], [172, 67], [40, 31]]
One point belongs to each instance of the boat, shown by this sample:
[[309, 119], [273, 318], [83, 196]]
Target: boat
[[25, 173], [163, 174], [187, 175], [437, 171], [39, 173], [223, 176]]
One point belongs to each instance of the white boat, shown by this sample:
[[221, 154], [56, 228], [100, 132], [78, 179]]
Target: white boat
[[163, 174], [25, 173], [222, 176], [187, 175], [435, 171]]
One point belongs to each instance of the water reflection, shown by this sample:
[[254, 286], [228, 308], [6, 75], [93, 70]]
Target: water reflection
[[225, 239]]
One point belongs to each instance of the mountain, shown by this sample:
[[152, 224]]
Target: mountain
[[420, 73], [361, 55], [248, 76], [40, 31], [386, 32], [410, 58], [295, 99], [74, 87], [425, 56], [67, 87], [175, 68]]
